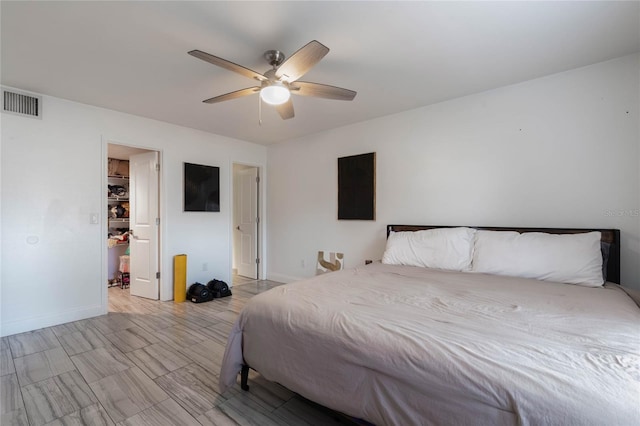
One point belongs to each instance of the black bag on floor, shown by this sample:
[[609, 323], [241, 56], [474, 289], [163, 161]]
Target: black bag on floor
[[198, 293], [218, 289]]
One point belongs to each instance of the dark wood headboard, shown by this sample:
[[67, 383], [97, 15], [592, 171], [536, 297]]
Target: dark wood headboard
[[609, 236]]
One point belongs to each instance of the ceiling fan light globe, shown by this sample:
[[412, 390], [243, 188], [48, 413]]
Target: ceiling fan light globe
[[275, 94]]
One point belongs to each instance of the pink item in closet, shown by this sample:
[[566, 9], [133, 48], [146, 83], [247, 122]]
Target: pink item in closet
[[124, 263]]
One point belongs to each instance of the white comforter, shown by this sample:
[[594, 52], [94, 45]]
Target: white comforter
[[400, 345]]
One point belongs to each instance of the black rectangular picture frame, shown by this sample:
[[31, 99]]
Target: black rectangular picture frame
[[357, 187], [201, 188]]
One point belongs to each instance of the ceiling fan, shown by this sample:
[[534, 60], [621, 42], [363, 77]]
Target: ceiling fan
[[277, 84]]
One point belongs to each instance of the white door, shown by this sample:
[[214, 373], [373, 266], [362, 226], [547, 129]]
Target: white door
[[143, 220], [248, 226]]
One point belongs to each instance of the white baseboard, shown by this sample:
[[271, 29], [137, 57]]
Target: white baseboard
[[35, 323]]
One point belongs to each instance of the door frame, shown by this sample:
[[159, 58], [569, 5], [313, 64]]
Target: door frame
[[105, 141], [261, 248]]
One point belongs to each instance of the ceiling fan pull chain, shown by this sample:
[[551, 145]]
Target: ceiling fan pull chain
[[259, 111]]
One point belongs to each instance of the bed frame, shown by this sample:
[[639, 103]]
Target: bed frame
[[609, 236]]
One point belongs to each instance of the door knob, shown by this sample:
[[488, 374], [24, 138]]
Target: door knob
[[238, 227]]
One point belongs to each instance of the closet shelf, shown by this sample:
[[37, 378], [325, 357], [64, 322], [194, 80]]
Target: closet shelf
[[118, 220]]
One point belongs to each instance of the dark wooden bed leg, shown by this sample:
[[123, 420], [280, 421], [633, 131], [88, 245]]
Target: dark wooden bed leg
[[244, 377]]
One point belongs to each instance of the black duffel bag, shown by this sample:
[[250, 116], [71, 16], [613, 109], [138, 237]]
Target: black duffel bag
[[198, 293], [218, 289]]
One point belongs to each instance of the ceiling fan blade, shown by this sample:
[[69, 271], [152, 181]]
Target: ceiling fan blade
[[301, 61], [227, 65], [305, 88], [286, 110], [233, 95]]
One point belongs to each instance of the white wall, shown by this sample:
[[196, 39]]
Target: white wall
[[559, 151], [52, 179]]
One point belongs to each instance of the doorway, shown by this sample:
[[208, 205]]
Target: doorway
[[246, 223], [133, 231]]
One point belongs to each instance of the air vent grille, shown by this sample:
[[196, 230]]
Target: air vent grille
[[21, 104]]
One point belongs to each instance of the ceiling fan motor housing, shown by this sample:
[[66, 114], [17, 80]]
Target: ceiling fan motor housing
[[274, 57]]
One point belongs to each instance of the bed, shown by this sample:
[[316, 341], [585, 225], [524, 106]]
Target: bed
[[394, 344]]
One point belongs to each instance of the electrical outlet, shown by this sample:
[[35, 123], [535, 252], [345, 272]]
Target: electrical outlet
[[205, 266], [93, 218]]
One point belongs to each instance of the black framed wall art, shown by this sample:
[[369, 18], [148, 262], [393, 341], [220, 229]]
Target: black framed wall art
[[357, 187], [201, 188]]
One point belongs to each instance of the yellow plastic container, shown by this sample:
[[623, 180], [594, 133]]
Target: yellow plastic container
[[180, 278]]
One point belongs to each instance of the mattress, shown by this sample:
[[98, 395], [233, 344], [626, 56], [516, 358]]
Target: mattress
[[402, 345]]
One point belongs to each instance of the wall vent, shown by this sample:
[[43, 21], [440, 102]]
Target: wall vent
[[23, 104]]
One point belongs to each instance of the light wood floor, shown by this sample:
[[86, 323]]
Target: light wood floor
[[145, 363]]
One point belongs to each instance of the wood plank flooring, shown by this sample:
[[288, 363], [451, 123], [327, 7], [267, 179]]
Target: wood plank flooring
[[144, 363]]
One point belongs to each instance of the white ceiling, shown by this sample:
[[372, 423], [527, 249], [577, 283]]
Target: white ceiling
[[132, 56]]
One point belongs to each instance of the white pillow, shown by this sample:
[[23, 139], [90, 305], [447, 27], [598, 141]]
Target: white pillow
[[441, 248], [565, 258]]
